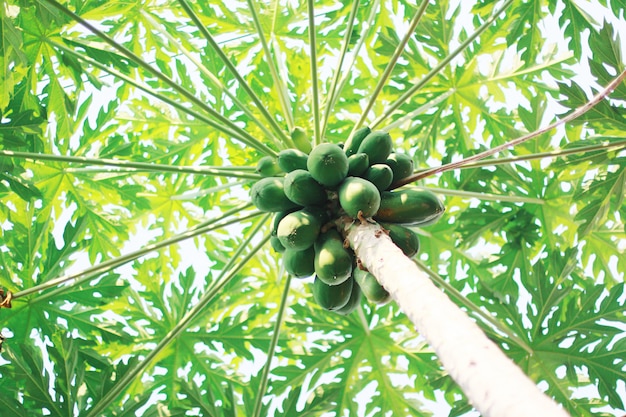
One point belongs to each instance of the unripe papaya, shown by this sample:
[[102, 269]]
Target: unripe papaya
[[319, 212], [358, 164], [277, 218], [301, 140], [299, 263], [328, 164], [380, 175], [370, 287], [333, 262], [267, 167], [401, 165], [298, 230], [357, 194], [353, 302], [331, 297], [301, 188], [276, 245], [377, 145], [410, 206], [291, 159], [268, 194], [404, 238], [352, 144]]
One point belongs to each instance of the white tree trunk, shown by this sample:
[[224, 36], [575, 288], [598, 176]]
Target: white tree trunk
[[494, 385]]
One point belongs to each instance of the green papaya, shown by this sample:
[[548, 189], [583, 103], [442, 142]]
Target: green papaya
[[301, 188], [320, 212], [276, 245], [380, 175], [298, 230], [353, 302], [404, 238], [409, 206], [333, 262], [352, 144], [328, 164], [358, 164], [299, 263], [277, 218], [331, 297], [291, 159], [357, 194], [377, 145], [267, 167], [370, 287], [301, 140], [401, 165], [268, 194]]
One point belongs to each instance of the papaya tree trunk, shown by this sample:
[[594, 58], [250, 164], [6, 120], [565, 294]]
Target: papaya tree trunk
[[494, 385]]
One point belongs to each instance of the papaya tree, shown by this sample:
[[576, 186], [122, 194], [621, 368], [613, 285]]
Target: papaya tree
[[280, 208]]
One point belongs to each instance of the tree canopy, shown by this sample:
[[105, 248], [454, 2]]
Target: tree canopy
[[141, 276]]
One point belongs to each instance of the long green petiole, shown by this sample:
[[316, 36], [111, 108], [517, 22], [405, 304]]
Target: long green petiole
[[391, 64], [420, 110], [332, 91], [229, 272], [278, 83], [355, 54], [216, 82], [573, 115], [91, 272], [314, 77], [258, 404], [158, 74], [485, 196], [246, 139], [394, 106], [233, 70], [606, 147], [144, 166]]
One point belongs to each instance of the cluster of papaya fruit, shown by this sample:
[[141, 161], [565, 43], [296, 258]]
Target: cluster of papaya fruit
[[310, 189]]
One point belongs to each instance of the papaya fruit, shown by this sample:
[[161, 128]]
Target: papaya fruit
[[370, 287], [352, 144], [328, 164], [320, 212], [333, 262], [298, 230], [409, 206], [299, 263], [353, 301], [358, 164], [357, 194], [377, 145], [404, 238], [291, 159], [268, 194], [277, 218], [301, 188], [401, 165], [331, 297], [267, 167], [301, 140], [380, 175], [276, 245]]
